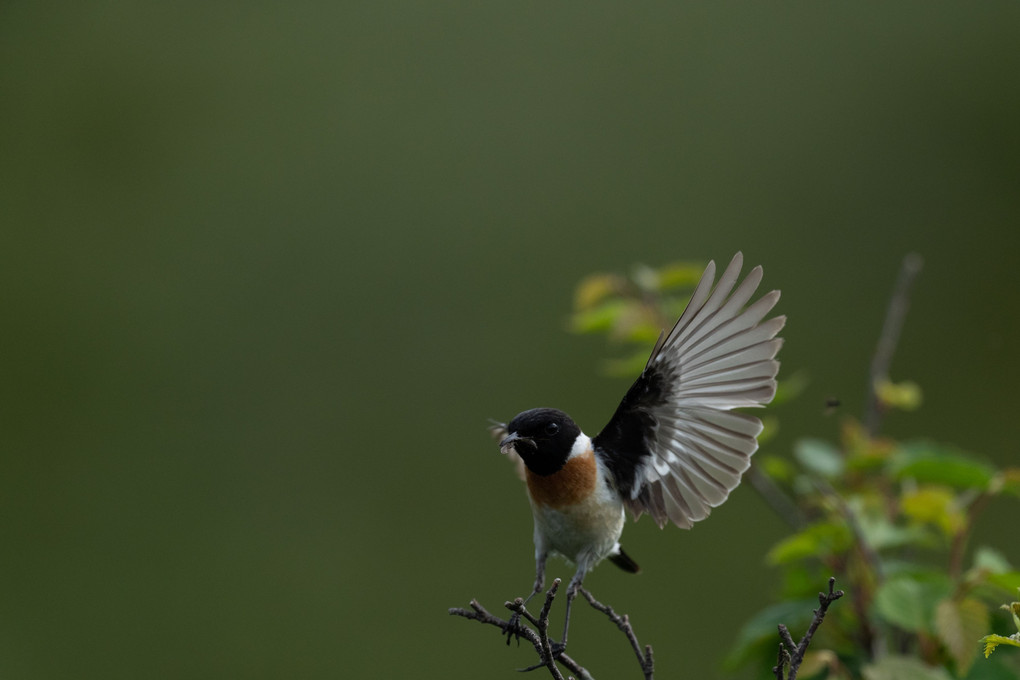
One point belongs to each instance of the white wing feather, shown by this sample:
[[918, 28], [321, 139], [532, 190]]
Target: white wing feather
[[720, 356]]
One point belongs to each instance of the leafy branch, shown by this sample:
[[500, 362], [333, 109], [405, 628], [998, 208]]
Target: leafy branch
[[993, 641], [893, 519]]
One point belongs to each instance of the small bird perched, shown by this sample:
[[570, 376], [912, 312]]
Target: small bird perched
[[674, 448]]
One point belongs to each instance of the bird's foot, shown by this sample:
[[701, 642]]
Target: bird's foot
[[513, 628]]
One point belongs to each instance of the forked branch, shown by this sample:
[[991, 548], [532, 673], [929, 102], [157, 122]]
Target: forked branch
[[791, 654], [538, 635]]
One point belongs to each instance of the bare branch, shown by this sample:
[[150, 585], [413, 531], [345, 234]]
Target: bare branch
[[783, 657], [793, 654], [787, 639], [539, 636], [867, 551], [894, 316], [644, 658], [959, 544], [546, 657], [780, 503]]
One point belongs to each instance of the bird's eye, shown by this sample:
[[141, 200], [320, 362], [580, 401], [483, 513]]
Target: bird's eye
[[552, 428]]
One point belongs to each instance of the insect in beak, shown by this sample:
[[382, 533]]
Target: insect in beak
[[507, 445]]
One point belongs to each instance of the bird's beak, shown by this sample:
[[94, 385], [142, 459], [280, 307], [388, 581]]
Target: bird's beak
[[507, 445]]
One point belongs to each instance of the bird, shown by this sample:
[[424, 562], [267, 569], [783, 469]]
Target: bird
[[674, 448]]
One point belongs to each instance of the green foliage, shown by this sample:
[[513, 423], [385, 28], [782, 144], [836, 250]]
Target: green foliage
[[633, 310], [761, 628], [909, 602], [891, 520], [896, 667], [993, 641]]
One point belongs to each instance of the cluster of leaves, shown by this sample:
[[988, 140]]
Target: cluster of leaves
[[993, 641], [633, 310], [890, 519]]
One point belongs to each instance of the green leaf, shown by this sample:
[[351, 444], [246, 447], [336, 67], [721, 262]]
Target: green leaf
[[1011, 481], [993, 641], [880, 533], [959, 624], [817, 661], [672, 308], [770, 426], [599, 319], [935, 505], [927, 463], [627, 367], [1001, 667], [801, 580], [594, 289], [1009, 581], [819, 456], [790, 387], [991, 586], [991, 560], [817, 540], [1014, 609], [904, 395], [903, 668], [992, 572], [680, 275], [779, 469], [907, 568], [910, 603], [764, 627]]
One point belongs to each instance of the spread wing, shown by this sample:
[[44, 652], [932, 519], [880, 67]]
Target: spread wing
[[675, 446]]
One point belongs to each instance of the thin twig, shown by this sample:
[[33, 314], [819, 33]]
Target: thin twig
[[786, 638], [780, 503], [644, 658], [893, 324], [546, 657], [542, 648], [782, 657], [539, 636], [796, 652], [482, 615], [868, 553], [959, 544]]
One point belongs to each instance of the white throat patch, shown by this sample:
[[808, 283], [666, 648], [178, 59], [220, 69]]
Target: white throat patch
[[581, 445]]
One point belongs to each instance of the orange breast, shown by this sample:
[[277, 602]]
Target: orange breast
[[571, 485]]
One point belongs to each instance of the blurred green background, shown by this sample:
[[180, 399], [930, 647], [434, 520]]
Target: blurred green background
[[266, 269]]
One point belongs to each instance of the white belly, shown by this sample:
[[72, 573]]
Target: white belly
[[584, 533]]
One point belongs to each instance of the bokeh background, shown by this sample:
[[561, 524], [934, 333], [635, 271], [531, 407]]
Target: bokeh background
[[267, 268]]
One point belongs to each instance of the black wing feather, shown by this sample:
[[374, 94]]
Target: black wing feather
[[674, 446], [625, 438]]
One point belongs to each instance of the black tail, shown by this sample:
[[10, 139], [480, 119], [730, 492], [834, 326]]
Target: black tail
[[623, 561]]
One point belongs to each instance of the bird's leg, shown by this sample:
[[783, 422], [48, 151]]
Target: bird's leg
[[572, 590], [539, 578], [513, 626]]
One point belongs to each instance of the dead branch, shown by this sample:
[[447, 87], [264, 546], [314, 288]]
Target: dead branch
[[891, 327], [538, 635], [792, 654], [644, 658]]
